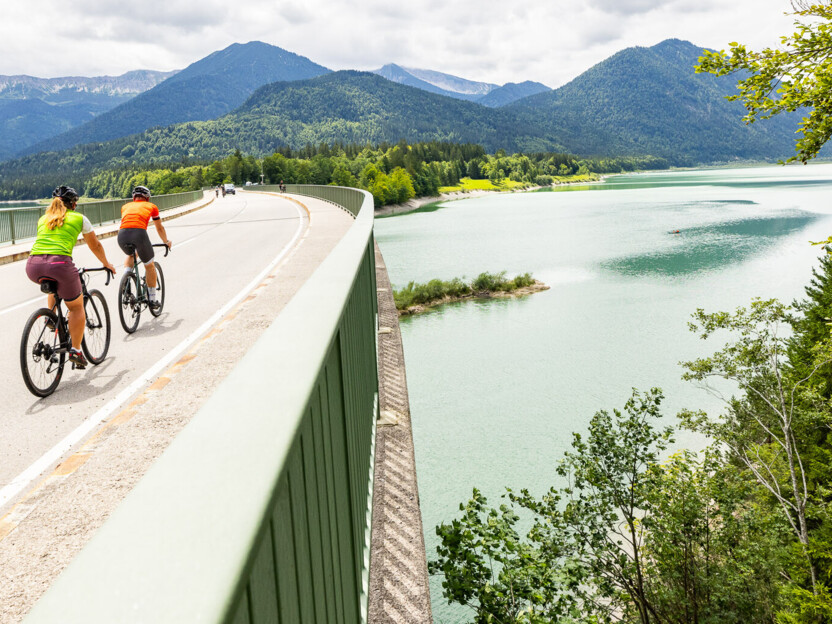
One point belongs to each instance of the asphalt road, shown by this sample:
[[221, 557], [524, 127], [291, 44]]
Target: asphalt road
[[217, 252]]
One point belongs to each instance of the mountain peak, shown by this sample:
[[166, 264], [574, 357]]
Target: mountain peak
[[452, 83], [677, 46], [254, 57], [205, 89]]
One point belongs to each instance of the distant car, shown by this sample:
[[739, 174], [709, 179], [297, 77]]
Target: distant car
[[229, 189]]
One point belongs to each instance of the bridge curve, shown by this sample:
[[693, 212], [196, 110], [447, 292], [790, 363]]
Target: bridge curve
[[262, 513]]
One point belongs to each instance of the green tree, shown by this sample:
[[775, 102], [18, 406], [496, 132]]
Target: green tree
[[234, 167], [401, 185], [771, 429], [812, 326], [582, 558], [343, 177], [631, 538], [794, 78], [710, 553]]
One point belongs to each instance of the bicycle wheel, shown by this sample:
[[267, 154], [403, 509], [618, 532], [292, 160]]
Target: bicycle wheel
[[160, 290], [96, 341], [41, 357], [129, 308]]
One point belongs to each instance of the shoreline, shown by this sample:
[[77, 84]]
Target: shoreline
[[421, 308], [418, 202]]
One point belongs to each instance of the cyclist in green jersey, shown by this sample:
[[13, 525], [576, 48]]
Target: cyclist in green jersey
[[51, 258]]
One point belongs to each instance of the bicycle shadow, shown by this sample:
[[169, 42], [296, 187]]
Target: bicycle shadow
[[156, 326], [71, 389]]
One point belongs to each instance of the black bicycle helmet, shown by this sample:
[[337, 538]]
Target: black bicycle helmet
[[67, 194], [141, 191]]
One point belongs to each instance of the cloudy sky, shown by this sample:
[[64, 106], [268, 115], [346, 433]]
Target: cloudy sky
[[550, 41]]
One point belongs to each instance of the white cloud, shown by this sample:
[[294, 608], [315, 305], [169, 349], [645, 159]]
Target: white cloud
[[488, 40], [625, 7]]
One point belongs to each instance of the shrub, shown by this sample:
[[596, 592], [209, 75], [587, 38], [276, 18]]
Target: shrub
[[436, 289]]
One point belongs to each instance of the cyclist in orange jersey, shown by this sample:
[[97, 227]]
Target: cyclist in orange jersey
[[132, 235]]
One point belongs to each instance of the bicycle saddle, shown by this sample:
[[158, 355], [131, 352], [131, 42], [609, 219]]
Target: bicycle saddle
[[48, 286]]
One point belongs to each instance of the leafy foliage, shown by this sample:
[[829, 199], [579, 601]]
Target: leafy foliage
[[437, 290], [630, 538], [741, 533], [785, 81]]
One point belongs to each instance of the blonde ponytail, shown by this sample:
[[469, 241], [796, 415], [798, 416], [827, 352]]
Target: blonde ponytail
[[55, 214]]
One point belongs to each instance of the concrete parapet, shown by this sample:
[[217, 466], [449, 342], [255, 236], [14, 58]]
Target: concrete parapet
[[399, 591]]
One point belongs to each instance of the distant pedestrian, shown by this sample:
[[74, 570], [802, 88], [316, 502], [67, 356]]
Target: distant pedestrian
[[282, 187], [217, 191]]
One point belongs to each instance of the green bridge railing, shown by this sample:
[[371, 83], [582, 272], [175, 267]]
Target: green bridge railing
[[17, 224], [259, 511]]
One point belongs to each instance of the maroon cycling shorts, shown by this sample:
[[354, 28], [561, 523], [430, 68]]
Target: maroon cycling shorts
[[59, 268]]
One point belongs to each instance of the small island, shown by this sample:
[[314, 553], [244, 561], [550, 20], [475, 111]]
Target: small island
[[417, 298]]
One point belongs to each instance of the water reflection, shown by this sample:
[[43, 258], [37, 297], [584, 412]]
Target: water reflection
[[712, 247]]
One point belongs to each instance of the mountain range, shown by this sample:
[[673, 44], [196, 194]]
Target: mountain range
[[640, 101], [650, 101], [484, 93], [204, 90], [33, 109]]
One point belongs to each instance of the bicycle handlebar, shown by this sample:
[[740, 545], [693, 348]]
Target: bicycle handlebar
[[109, 273], [167, 249]]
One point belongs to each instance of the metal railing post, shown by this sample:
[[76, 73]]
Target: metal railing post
[[11, 224]]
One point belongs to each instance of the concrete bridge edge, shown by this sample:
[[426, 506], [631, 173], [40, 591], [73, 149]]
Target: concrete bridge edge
[[398, 584]]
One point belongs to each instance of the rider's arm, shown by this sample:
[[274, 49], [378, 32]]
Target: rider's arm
[[160, 229], [97, 249]]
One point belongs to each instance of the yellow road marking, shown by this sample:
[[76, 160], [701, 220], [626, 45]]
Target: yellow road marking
[[73, 463]]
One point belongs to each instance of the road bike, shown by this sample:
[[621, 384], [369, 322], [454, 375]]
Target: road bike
[[45, 344], [133, 295]]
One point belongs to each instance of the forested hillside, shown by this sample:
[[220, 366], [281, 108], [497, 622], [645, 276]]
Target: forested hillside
[[347, 107], [649, 101], [511, 92], [392, 173], [204, 90], [33, 109], [640, 102]]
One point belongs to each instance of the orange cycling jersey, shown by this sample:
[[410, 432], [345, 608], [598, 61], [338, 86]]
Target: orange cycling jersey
[[137, 214]]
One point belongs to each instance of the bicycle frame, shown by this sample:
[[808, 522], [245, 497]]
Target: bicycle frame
[[62, 325], [141, 285]]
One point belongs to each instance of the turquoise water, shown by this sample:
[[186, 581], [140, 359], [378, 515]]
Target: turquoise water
[[497, 388]]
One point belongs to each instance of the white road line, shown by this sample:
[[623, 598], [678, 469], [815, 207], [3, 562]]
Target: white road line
[[22, 481], [182, 244], [23, 305]]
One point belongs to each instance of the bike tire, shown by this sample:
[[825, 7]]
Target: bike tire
[[41, 366], [160, 290], [96, 341], [129, 308]]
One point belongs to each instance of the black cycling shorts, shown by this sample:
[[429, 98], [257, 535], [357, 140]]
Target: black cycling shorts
[[130, 239]]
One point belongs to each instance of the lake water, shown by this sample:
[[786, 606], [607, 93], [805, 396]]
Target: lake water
[[497, 388], [11, 205]]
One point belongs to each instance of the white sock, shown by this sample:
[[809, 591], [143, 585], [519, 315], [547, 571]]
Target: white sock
[[151, 292], [128, 269]]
